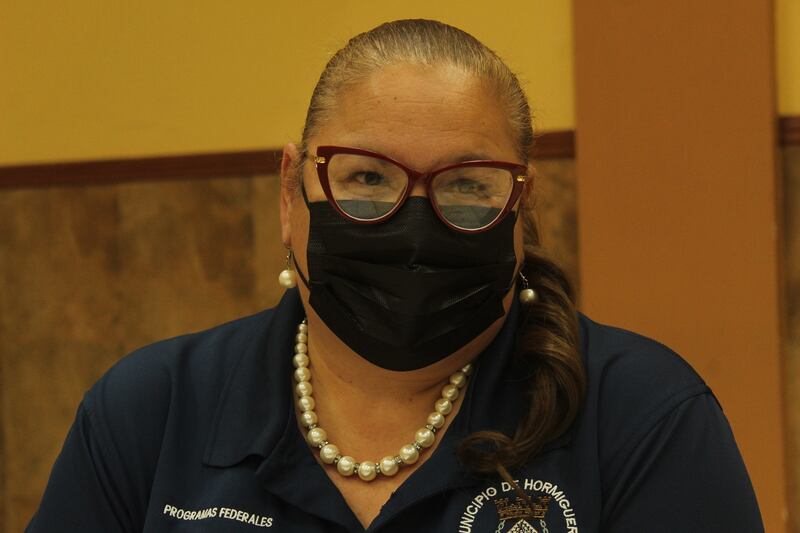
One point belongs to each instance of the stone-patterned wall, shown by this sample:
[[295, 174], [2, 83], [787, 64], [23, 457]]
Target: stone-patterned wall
[[555, 211], [791, 195], [89, 273]]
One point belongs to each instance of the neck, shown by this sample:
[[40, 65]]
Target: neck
[[370, 411]]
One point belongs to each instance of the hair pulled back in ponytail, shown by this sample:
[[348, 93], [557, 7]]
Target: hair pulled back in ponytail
[[547, 339]]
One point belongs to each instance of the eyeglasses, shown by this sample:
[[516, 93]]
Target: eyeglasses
[[368, 187]]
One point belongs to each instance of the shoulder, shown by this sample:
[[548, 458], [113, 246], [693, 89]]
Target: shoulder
[[629, 365], [653, 428], [633, 382], [132, 401]]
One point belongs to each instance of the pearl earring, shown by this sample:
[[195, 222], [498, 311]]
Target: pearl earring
[[527, 295], [287, 278]]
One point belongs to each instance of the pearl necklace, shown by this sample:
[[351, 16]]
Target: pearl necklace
[[329, 452]]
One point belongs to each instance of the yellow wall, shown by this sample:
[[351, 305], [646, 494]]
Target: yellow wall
[[787, 35], [89, 79]]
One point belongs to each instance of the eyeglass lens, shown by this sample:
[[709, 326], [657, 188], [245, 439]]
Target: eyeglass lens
[[367, 188]]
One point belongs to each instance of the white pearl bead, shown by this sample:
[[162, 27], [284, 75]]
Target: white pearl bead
[[301, 347], [300, 360], [527, 296], [450, 392], [424, 437], [443, 406], [308, 418], [287, 279], [301, 337], [306, 403], [367, 471], [302, 328], [409, 454], [346, 465], [388, 466], [436, 419], [317, 436], [304, 388], [302, 374], [328, 453], [458, 379]]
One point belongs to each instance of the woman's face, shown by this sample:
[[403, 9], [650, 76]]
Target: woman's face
[[423, 117]]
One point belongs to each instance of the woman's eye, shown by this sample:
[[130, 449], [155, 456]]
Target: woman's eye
[[369, 178], [468, 186]]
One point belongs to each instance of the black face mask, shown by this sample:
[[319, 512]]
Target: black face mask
[[410, 291]]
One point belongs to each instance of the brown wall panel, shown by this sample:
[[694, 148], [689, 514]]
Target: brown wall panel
[[90, 273], [3, 501], [677, 200], [791, 173], [555, 213]]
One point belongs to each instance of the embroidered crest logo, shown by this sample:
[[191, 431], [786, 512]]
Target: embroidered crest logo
[[540, 507], [521, 510]]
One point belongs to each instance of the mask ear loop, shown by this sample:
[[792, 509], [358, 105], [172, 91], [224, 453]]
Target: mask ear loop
[[300, 272], [294, 260], [305, 196], [519, 272]]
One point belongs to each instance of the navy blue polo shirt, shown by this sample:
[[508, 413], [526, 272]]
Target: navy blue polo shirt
[[198, 433]]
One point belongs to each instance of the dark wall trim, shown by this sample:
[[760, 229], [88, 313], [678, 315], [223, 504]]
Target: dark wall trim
[[789, 130], [554, 145], [109, 171], [548, 145]]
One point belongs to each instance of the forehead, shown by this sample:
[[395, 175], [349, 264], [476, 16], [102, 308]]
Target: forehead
[[420, 115]]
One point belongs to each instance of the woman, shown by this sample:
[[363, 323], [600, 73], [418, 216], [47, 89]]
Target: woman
[[429, 373]]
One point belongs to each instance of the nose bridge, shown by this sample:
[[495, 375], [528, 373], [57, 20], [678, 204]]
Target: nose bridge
[[419, 182]]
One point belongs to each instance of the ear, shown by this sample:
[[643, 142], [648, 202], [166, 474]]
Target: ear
[[289, 184]]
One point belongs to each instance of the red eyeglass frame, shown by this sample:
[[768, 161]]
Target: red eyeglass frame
[[519, 175]]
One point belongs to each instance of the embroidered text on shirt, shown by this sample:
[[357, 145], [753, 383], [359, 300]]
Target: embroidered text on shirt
[[219, 512]]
